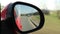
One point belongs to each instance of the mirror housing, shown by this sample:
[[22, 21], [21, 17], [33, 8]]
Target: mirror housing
[[42, 20]]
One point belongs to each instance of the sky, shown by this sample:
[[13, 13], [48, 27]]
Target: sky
[[42, 4]]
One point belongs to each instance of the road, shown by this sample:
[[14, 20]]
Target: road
[[26, 23]]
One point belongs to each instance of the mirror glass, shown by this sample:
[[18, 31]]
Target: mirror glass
[[26, 17]]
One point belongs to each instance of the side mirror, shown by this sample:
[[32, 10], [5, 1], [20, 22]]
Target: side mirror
[[27, 17]]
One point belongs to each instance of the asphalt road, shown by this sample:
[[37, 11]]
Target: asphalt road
[[26, 23]]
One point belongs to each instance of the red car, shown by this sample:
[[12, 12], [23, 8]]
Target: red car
[[4, 16]]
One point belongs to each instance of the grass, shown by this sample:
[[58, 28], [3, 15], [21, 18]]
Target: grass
[[51, 26]]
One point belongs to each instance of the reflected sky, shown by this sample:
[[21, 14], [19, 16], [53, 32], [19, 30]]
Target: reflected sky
[[23, 9]]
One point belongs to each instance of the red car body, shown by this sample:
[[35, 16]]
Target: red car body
[[17, 19]]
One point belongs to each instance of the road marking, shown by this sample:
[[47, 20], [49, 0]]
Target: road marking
[[31, 23]]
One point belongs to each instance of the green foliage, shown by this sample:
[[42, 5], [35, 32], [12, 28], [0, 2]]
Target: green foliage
[[46, 12], [58, 14]]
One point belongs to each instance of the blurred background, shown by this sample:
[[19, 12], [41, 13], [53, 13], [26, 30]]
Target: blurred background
[[51, 10]]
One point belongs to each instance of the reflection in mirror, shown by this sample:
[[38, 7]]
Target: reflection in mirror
[[27, 17]]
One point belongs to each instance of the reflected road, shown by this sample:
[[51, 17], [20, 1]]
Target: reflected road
[[26, 23]]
